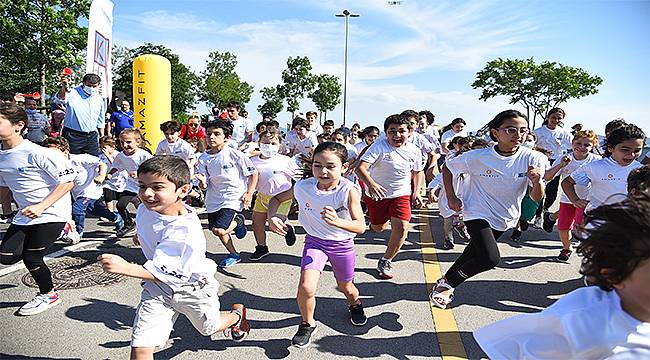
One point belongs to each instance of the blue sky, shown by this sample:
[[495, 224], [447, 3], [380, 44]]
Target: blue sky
[[416, 55]]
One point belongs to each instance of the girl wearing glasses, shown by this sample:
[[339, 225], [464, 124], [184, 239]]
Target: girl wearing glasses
[[498, 179]]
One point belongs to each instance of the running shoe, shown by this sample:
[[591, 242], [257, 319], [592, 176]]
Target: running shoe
[[523, 224], [516, 235], [548, 222], [71, 237], [127, 230], [260, 252], [440, 295], [229, 261], [302, 338], [564, 255], [357, 316], [240, 230], [385, 269], [538, 222], [240, 330], [119, 222], [40, 303], [448, 244], [290, 237]]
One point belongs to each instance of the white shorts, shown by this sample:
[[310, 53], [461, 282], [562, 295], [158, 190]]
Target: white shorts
[[158, 309]]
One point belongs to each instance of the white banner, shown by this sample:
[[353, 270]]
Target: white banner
[[100, 39]]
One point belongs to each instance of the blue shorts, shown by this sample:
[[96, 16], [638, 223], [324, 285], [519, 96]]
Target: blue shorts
[[221, 219]]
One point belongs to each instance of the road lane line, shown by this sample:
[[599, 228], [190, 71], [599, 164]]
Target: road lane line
[[451, 345]]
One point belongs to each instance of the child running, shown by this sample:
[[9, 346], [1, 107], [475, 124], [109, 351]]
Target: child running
[[40, 181], [330, 212], [174, 145], [386, 168], [117, 183], [569, 216], [276, 172], [230, 180], [607, 176], [128, 160], [177, 276], [498, 179], [608, 321]]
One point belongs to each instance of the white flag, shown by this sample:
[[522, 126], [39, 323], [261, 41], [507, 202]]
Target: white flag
[[100, 38]]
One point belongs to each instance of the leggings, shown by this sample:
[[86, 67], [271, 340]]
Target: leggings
[[30, 243], [123, 200], [550, 194], [481, 254]]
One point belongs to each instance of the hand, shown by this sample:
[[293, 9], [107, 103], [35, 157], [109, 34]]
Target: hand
[[330, 216], [113, 264], [109, 176], [277, 226], [133, 174], [455, 203], [65, 81], [416, 201], [432, 196], [99, 179], [376, 191], [534, 174], [202, 179], [580, 203], [566, 159], [247, 199], [33, 211]]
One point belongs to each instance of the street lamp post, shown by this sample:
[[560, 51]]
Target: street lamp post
[[346, 14]]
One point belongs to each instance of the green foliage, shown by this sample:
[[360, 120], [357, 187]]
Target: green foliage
[[38, 38], [327, 92], [297, 81], [184, 81], [273, 100], [538, 87], [220, 84]]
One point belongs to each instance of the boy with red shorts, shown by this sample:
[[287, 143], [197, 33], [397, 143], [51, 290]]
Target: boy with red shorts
[[386, 168]]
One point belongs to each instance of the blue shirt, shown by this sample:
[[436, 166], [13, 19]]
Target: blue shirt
[[122, 120], [84, 112]]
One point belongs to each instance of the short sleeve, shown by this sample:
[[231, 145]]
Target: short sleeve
[[581, 176], [373, 153], [458, 165], [418, 164], [245, 164], [60, 171]]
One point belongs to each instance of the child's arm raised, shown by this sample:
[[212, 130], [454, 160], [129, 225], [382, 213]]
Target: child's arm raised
[[357, 224], [535, 176], [552, 172]]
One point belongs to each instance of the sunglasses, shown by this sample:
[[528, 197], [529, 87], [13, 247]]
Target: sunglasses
[[193, 125], [514, 130]]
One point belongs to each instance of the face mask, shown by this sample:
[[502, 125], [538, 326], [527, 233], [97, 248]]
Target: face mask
[[89, 90], [529, 144], [269, 150], [31, 111]]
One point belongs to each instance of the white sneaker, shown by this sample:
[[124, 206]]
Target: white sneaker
[[537, 223], [40, 303], [72, 237]]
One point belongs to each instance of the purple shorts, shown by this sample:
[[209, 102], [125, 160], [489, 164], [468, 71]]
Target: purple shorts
[[340, 254]]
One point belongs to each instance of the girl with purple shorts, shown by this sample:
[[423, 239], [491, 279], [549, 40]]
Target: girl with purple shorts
[[330, 212]]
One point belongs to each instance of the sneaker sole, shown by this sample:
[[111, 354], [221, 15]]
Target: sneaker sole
[[386, 276], [308, 342], [33, 312], [359, 324], [231, 265], [244, 321], [259, 258]]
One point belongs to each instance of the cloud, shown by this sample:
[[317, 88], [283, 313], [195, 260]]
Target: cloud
[[165, 21]]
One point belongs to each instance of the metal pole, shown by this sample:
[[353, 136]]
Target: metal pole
[[345, 72]]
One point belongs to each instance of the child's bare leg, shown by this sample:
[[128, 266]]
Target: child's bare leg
[[398, 235], [226, 240], [259, 227], [565, 237], [349, 290], [142, 353], [379, 228], [307, 294]]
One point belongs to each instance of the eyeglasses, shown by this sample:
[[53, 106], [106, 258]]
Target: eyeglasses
[[193, 125], [514, 130]]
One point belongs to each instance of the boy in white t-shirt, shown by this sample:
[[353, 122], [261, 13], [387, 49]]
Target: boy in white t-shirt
[[174, 145], [607, 321], [230, 179], [386, 168], [300, 140], [178, 277]]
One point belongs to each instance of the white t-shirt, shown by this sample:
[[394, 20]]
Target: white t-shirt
[[130, 163], [32, 172], [174, 247], [581, 190], [431, 134], [496, 183], [557, 141], [86, 169], [607, 178], [450, 134], [587, 323], [275, 174], [391, 167], [117, 182], [425, 146], [443, 206], [312, 201], [240, 128], [180, 148], [360, 146], [293, 143], [227, 175]]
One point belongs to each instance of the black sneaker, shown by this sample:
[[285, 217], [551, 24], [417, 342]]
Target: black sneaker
[[523, 224], [260, 252], [516, 235], [290, 237], [564, 255], [448, 244], [357, 316], [548, 222], [302, 338], [127, 230]]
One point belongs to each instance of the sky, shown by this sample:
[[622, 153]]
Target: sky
[[421, 55]]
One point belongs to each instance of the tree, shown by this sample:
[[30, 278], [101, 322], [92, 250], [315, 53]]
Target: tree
[[273, 101], [38, 38], [220, 84], [297, 81], [184, 81], [538, 87], [326, 94]]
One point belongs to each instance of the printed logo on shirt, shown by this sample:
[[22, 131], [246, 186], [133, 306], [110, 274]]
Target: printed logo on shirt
[[66, 172], [250, 168], [25, 168], [489, 174], [611, 177], [520, 175], [228, 166], [388, 157]]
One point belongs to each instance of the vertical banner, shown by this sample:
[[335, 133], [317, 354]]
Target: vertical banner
[[152, 96], [100, 38]]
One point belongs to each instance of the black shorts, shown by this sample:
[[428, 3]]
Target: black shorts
[[110, 195], [221, 219]]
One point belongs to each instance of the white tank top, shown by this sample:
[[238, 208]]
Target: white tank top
[[311, 202]]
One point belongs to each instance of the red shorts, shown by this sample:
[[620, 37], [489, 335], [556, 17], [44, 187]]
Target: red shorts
[[569, 217], [381, 211]]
